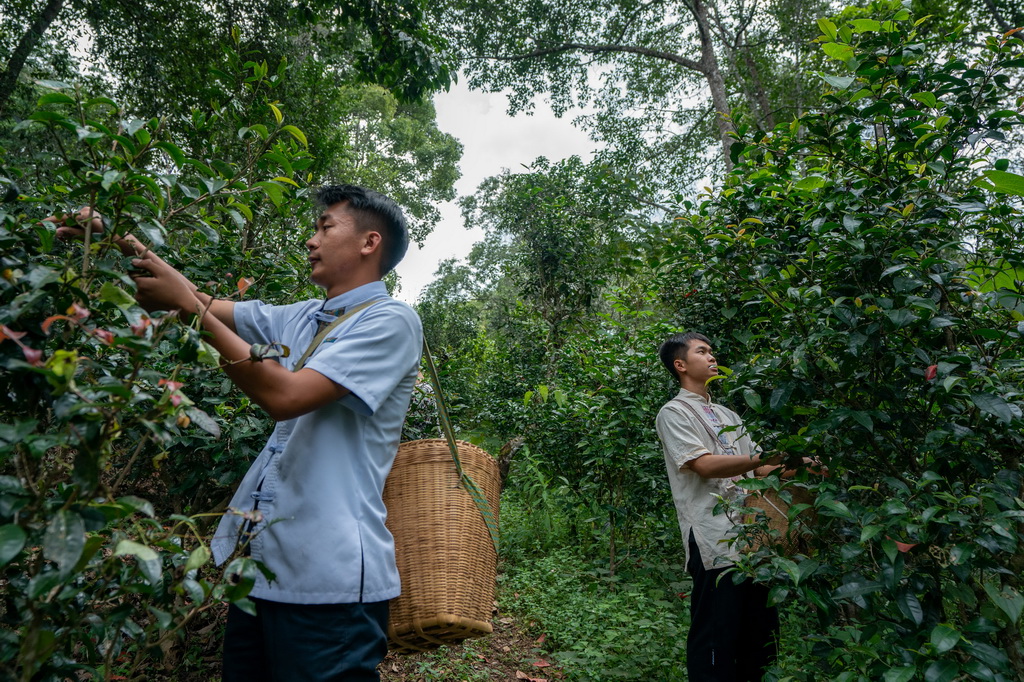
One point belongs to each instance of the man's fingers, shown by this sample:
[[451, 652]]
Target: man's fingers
[[144, 267]]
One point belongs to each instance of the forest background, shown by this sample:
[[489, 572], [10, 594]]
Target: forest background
[[856, 257]]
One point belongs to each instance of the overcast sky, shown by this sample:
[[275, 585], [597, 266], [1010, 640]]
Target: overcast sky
[[491, 141]]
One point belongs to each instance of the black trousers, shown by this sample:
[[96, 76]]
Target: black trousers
[[733, 632], [307, 642]]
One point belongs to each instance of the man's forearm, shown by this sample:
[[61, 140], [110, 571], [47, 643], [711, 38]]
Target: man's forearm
[[282, 393], [727, 466], [219, 308], [255, 379]]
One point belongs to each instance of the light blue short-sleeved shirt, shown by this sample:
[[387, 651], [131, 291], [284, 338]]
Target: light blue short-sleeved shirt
[[320, 478]]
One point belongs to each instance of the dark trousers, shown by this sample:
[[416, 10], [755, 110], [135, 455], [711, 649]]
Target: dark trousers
[[733, 632], [307, 642]]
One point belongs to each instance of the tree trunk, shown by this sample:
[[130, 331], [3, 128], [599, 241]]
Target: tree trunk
[[713, 73], [28, 42], [767, 117]]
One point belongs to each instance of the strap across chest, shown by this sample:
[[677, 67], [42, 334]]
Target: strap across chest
[[318, 339]]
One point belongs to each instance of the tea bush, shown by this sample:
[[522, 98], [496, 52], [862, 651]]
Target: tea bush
[[117, 427]]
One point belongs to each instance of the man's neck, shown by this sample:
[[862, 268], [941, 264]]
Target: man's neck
[[694, 387], [341, 288]]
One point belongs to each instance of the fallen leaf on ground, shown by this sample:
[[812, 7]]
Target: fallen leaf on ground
[[520, 675]]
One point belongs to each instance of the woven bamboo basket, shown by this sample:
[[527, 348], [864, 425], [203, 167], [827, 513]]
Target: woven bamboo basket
[[790, 539], [446, 558]]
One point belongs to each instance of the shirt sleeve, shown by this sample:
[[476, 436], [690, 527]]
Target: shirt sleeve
[[372, 355], [258, 322], [682, 438]]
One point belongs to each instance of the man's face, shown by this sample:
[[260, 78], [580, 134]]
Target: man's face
[[699, 363], [336, 246]]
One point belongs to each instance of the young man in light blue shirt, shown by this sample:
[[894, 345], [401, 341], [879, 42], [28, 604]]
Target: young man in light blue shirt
[[314, 492]]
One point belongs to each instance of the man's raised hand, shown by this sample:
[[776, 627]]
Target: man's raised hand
[[72, 226], [160, 287]]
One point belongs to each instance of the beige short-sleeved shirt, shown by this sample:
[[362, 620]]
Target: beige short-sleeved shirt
[[684, 439]]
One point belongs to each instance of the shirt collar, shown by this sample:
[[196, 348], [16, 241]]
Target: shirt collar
[[695, 397], [356, 296]]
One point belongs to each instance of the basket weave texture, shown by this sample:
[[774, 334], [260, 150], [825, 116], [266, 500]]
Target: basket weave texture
[[446, 558], [789, 539]]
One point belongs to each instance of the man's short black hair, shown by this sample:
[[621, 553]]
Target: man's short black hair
[[373, 211], [676, 347]]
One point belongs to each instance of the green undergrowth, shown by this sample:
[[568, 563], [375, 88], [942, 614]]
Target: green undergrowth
[[628, 626], [597, 626]]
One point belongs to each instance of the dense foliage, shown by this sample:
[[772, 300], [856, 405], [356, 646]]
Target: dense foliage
[[106, 480], [873, 251], [120, 440], [860, 271]]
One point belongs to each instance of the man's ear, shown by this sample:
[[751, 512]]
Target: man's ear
[[371, 242], [680, 366]]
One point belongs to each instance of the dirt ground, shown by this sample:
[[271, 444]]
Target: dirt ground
[[506, 654]]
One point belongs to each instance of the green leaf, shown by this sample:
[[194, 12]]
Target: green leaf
[[96, 101], [55, 98], [203, 421], [865, 25], [910, 606], [864, 419], [262, 351], [838, 51], [297, 134], [111, 293], [813, 182], [979, 671], [163, 619], [208, 355], [838, 82], [154, 231], [899, 674], [805, 568], [137, 504], [987, 654], [925, 98], [828, 28], [994, 405], [836, 508], [1008, 599], [12, 541], [64, 539], [174, 152], [869, 532], [944, 638], [752, 399], [272, 190], [901, 317], [780, 396], [130, 547], [941, 671], [197, 558], [857, 588], [1008, 183]]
